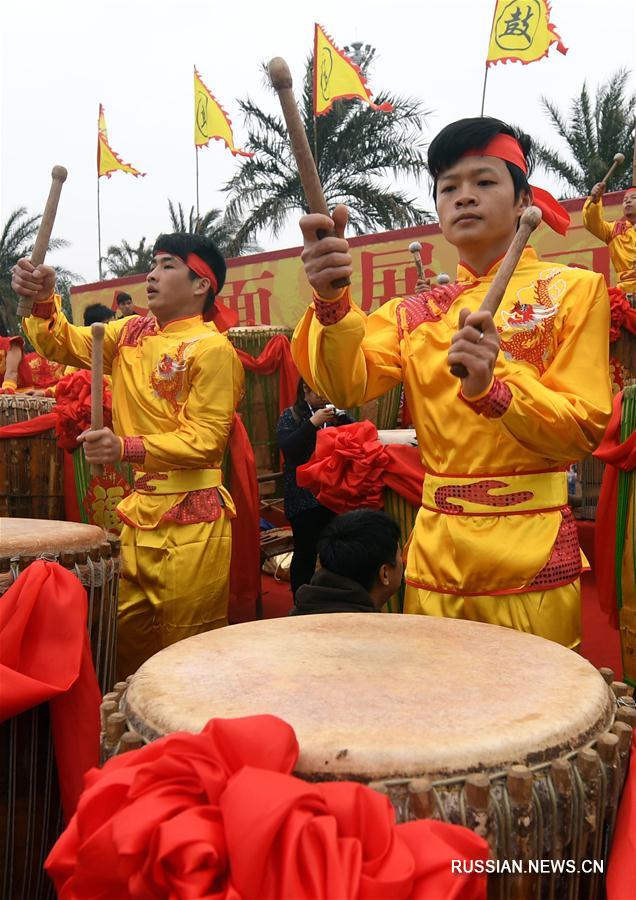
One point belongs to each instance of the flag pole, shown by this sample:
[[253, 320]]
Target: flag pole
[[196, 156], [99, 232], [483, 93]]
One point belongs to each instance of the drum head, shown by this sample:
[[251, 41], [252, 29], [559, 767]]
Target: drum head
[[380, 696], [32, 537]]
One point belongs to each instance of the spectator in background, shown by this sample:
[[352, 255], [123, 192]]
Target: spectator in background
[[297, 431], [97, 312], [124, 305], [361, 563]]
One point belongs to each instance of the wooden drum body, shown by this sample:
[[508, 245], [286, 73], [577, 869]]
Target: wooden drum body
[[30, 467], [260, 407], [30, 813], [512, 735]]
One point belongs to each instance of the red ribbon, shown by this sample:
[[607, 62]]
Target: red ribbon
[[617, 457], [218, 814], [275, 356], [45, 656], [622, 314]]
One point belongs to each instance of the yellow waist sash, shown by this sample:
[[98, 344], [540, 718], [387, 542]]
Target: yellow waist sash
[[495, 495], [177, 481]]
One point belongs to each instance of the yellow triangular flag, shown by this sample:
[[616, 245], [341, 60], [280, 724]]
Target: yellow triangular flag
[[336, 77], [107, 160], [211, 122], [521, 32]]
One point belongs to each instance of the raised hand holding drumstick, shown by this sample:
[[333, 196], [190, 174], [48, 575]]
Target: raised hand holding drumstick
[[327, 259], [475, 346], [101, 445], [58, 177], [599, 188]]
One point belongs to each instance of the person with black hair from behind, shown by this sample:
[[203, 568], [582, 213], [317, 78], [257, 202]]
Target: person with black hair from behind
[[97, 312], [494, 540], [176, 383], [297, 431], [361, 565]]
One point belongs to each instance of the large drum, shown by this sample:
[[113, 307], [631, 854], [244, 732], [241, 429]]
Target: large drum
[[30, 467], [260, 407], [30, 814], [507, 733]]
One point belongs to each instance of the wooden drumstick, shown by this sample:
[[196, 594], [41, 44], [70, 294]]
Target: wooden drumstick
[[97, 385], [416, 249], [58, 177], [281, 80], [527, 224], [619, 159]]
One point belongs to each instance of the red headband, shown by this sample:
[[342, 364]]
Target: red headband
[[507, 148], [197, 265]]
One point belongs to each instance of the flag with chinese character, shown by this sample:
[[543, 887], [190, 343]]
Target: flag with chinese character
[[107, 160], [336, 77], [211, 122], [521, 32]]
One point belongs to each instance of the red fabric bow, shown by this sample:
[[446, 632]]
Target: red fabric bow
[[350, 468], [45, 655], [73, 408], [218, 815], [276, 355], [617, 456], [622, 314]]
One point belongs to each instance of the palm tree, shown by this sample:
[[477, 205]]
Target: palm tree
[[214, 224], [124, 259], [355, 149], [17, 240], [594, 132]]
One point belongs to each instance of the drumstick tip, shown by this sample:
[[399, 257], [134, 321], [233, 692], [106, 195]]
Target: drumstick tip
[[531, 217], [279, 73], [59, 173]]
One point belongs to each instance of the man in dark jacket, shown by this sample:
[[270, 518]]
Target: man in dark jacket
[[361, 561]]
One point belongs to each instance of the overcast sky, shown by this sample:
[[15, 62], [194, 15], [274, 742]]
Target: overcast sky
[[60, 60]]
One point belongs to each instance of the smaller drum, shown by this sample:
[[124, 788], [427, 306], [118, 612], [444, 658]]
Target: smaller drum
[[506, 733], [260, 407], [31, 484], [30, 813], [403, 512], [384, 411]]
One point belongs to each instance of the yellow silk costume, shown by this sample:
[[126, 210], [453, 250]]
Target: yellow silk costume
[[620, 236], [175, 390], [494, 539]]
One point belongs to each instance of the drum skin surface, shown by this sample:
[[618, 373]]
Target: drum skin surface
[[378, 696], [35, 536]]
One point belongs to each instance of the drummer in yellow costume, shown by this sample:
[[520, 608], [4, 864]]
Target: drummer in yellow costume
[[494, 540], [620, 236], [176, 383]]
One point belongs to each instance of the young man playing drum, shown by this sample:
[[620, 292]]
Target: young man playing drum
[[620, 236], [495, 540], [176, 383]]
